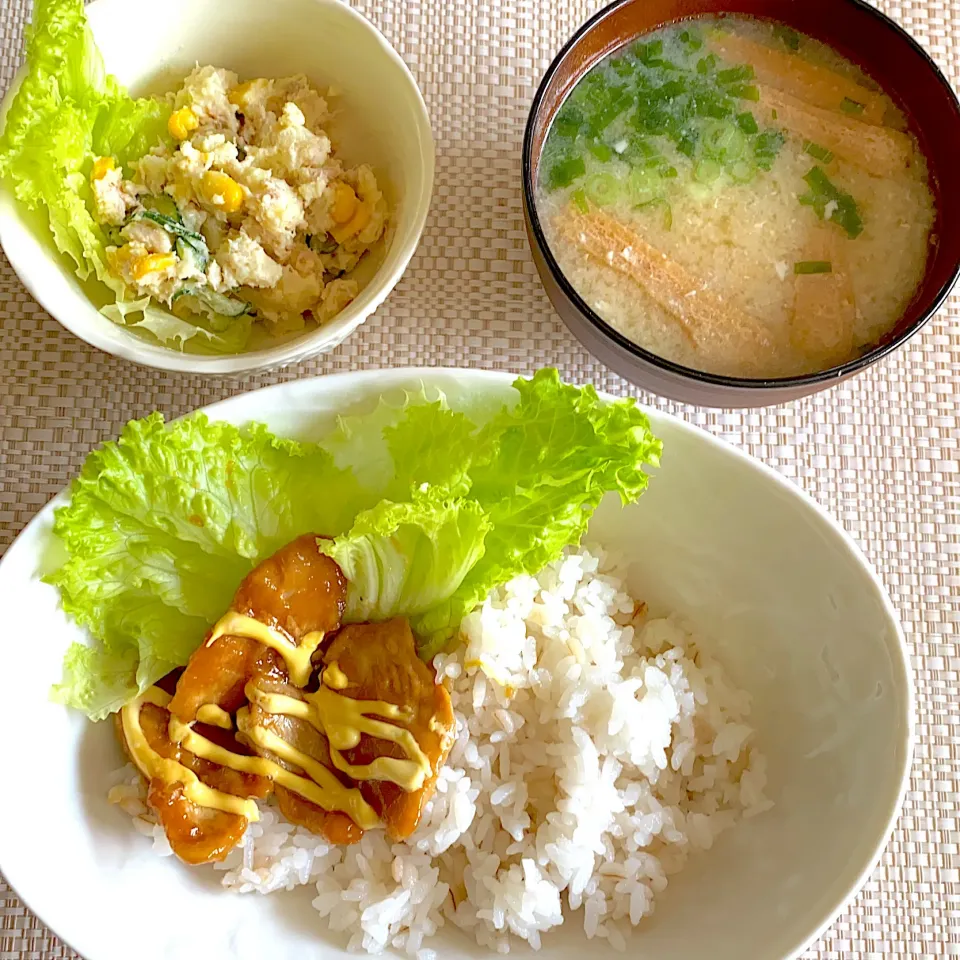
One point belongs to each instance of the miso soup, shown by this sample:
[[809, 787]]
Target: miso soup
[[738, 198]]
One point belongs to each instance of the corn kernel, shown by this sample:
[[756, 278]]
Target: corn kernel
[[238, 95], [101, 167], [222, 192], [350, 229], [116, 258], [152, 263], [182, 123], [344, 204]]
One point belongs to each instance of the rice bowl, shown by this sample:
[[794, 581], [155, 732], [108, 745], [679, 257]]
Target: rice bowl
[[775, 878]]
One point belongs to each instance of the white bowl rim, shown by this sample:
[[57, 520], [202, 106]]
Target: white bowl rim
[[390, 377], [158, 357]]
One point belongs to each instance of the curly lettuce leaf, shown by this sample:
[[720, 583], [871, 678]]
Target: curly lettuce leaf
[[66, 112], [402, 559], [96, 680], [427, 509], [542, 469], [63, 64], [163, 326], [161, 527], [408, 438]]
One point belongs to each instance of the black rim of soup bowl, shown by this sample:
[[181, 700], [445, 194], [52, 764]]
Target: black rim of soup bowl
[[817, 379]]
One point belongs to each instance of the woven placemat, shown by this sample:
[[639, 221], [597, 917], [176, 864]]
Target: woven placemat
[[880, 453]]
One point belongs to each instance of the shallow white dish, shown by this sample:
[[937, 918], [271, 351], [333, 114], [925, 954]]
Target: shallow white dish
[[332, 45], [798, 618]]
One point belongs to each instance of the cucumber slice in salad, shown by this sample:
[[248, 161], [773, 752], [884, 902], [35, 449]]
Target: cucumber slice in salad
[[189, 244], [220, 308]]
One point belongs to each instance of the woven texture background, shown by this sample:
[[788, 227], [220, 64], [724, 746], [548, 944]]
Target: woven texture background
[[880, 453]]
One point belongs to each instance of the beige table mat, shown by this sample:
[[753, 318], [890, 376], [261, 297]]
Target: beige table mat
[[880, 453]]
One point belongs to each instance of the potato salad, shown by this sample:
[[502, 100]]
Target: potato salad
[[245, 212]]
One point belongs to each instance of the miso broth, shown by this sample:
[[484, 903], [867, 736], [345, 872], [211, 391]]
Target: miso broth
[[737, 198]]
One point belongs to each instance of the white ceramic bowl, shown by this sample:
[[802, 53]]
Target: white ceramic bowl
[[150, 48], [793, 610]]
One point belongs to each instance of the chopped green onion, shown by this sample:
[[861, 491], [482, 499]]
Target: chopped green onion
[[700, 192], [724, 142], [789, 37], [707, 63], [707, 171], [641, 153], [766, 148], [569, 120], [687, 144], [713, 106], [739, 74], [579, 199], [671, 90], [564, 171], [603, 189], [851, 106], [652, 99], [647, 52], [643, 187], [774, 114], [807, 267], [608, 107], [668, 218], [823, 194], [639, 148], [600, 150], [746, 92], [742, 171], [817, 152]]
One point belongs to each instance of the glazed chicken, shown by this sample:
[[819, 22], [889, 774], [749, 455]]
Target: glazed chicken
[[380, 662], [279, 702], [298, 590]]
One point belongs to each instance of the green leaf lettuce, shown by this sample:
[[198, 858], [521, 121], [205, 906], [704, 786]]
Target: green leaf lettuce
[[67, 111], [424, 509]]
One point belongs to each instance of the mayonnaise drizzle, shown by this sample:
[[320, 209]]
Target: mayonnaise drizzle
[[341, 719], [215, 716], [153, 766], [297, 656], [323, 788]]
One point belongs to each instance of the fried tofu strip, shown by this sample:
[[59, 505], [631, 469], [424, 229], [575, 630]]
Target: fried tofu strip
[[879, 150], [709, 322], [824, 306], [816, 85]]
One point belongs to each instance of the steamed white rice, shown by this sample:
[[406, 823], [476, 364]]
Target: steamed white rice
[[597, 748]]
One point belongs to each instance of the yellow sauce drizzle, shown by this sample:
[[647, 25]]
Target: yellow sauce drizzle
[[324, 789], [334, 677], [153, 766], [343, 720], [297, 658], [327, 791], [215, 716]]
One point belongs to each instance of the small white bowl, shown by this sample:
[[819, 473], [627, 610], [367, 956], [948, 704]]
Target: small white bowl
[[783, 598], [150, 48]]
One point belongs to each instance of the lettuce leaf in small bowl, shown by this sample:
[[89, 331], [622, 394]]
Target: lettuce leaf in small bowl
[[67, 112]]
